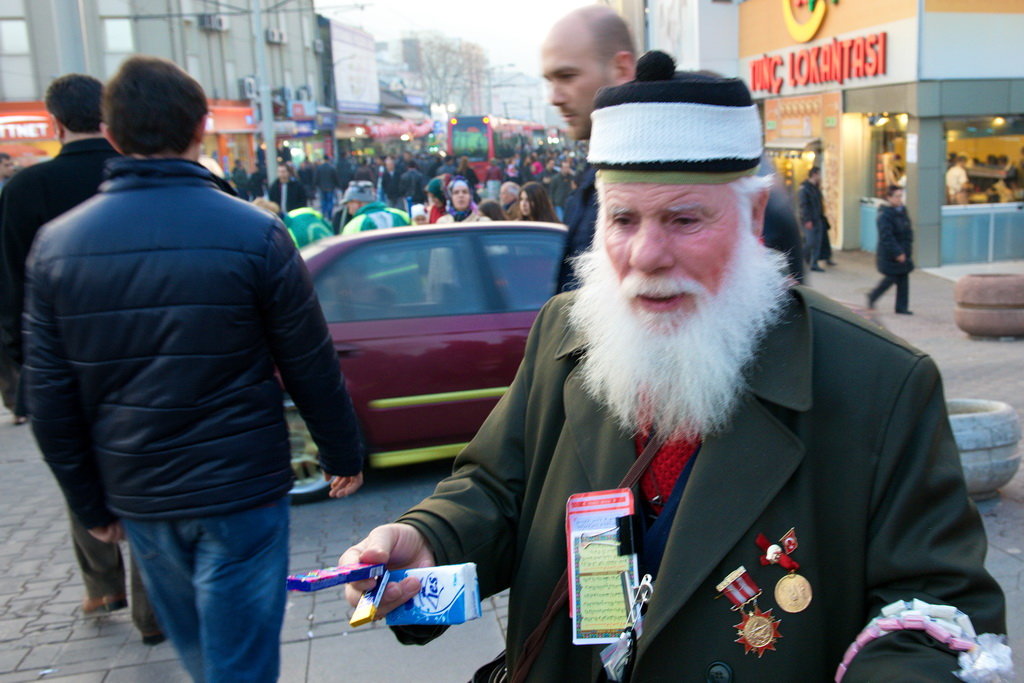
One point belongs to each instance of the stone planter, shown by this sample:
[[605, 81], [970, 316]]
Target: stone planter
[[987, 433], [990, 305]]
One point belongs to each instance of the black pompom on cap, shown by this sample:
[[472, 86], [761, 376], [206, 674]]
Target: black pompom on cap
[[655, 66]]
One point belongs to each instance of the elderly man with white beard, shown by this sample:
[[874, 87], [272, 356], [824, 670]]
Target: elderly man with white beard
[[791, 457]]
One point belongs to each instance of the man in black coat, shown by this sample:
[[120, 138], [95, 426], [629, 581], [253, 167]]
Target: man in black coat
[[34, 197], [326, 184], [412, 186], [782, 233], [812, 215], [895, 248], [150, 355], [287, 192], [390, 185], [344, 171], [588, 49]]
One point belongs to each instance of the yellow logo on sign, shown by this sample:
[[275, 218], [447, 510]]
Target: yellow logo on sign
[[807, 30]]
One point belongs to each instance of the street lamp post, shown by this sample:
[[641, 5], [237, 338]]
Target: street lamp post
[[263, 76]]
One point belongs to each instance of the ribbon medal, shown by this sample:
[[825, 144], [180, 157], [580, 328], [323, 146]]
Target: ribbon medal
[[758, 630], [793, 592]]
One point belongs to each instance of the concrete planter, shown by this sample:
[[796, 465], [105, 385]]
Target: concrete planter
[[987, 433], [990, 305]]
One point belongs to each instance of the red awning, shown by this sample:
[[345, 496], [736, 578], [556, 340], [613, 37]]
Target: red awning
[[399, 128]]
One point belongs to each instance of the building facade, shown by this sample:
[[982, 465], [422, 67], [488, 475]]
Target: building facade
[[42, 39], [876, 92]]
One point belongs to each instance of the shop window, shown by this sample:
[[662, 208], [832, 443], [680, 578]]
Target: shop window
[[118, 43], [985, 160], [14, 36], [117, 35], [889, 151], [18, 78]]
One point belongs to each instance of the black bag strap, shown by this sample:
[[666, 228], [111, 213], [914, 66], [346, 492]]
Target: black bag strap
[[560, 594]]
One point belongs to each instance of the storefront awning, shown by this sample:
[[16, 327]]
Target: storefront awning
[[792, 143]]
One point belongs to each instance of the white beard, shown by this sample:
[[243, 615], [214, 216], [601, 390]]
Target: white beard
[[681, 373]]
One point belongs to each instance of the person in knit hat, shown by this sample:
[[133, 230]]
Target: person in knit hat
[[800, 511], [436, 200]]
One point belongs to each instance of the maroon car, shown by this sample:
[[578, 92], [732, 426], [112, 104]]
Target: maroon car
[[430, 324]]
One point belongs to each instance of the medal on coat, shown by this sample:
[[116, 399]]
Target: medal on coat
[[793, 592], [758, 630]]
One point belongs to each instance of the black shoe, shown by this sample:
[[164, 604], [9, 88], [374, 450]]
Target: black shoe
[[154, 638], [871, 303], [830, 262], [817, 269], [904, 313]]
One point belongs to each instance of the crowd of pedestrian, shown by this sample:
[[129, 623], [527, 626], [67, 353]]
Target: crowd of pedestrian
[[353, 194]]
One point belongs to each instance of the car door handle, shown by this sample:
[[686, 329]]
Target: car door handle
[[346, 349]]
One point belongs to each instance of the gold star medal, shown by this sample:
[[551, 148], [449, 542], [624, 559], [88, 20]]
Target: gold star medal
[[759, 630]]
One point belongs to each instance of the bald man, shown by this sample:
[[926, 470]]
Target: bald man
[[588, 49]]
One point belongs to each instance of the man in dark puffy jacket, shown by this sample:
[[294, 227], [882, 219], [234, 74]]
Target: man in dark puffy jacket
[[150, 357], [31, 199]]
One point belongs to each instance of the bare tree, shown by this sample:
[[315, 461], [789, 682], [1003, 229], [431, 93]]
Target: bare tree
[[451, 70]]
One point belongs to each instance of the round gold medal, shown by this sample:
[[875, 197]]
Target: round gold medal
[[793, 593], [758, 631]]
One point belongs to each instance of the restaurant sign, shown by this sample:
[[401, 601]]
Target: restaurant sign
[[835, 62], [821, 44]]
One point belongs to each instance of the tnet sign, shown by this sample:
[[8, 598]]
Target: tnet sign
[[26, 127]]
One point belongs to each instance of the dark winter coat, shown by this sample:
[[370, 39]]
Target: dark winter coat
[[412, 184], [296, 195], [31, 198], [895, 237], [151, 348], [326, 177], [782, 234], [858, 459], [560, 188], [580, 217], [812, 208], [391, 186]]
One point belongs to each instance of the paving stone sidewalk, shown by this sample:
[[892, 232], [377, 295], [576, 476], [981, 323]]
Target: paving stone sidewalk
[[43, 635]]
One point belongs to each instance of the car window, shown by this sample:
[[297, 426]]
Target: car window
[[401, 278], [525, 267]]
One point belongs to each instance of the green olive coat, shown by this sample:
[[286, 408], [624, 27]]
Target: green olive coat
[[843, 435]]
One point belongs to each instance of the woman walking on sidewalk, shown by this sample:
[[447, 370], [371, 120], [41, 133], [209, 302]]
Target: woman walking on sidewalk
[[895, 243]]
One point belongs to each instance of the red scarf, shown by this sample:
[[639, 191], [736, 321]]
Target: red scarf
[[660, 478]]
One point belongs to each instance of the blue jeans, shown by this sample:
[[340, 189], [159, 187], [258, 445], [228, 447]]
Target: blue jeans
[[327, 204], [218, 584]]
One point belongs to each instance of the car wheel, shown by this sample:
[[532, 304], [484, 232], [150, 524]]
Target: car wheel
[[309, 485]]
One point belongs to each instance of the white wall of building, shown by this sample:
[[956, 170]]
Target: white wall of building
[[960, 45]]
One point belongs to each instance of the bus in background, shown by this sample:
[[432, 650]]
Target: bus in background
[[484, 138]]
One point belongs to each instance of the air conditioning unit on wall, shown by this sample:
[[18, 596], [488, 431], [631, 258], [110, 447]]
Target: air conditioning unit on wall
[[213, 22], [275, 36], [247, 88]]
